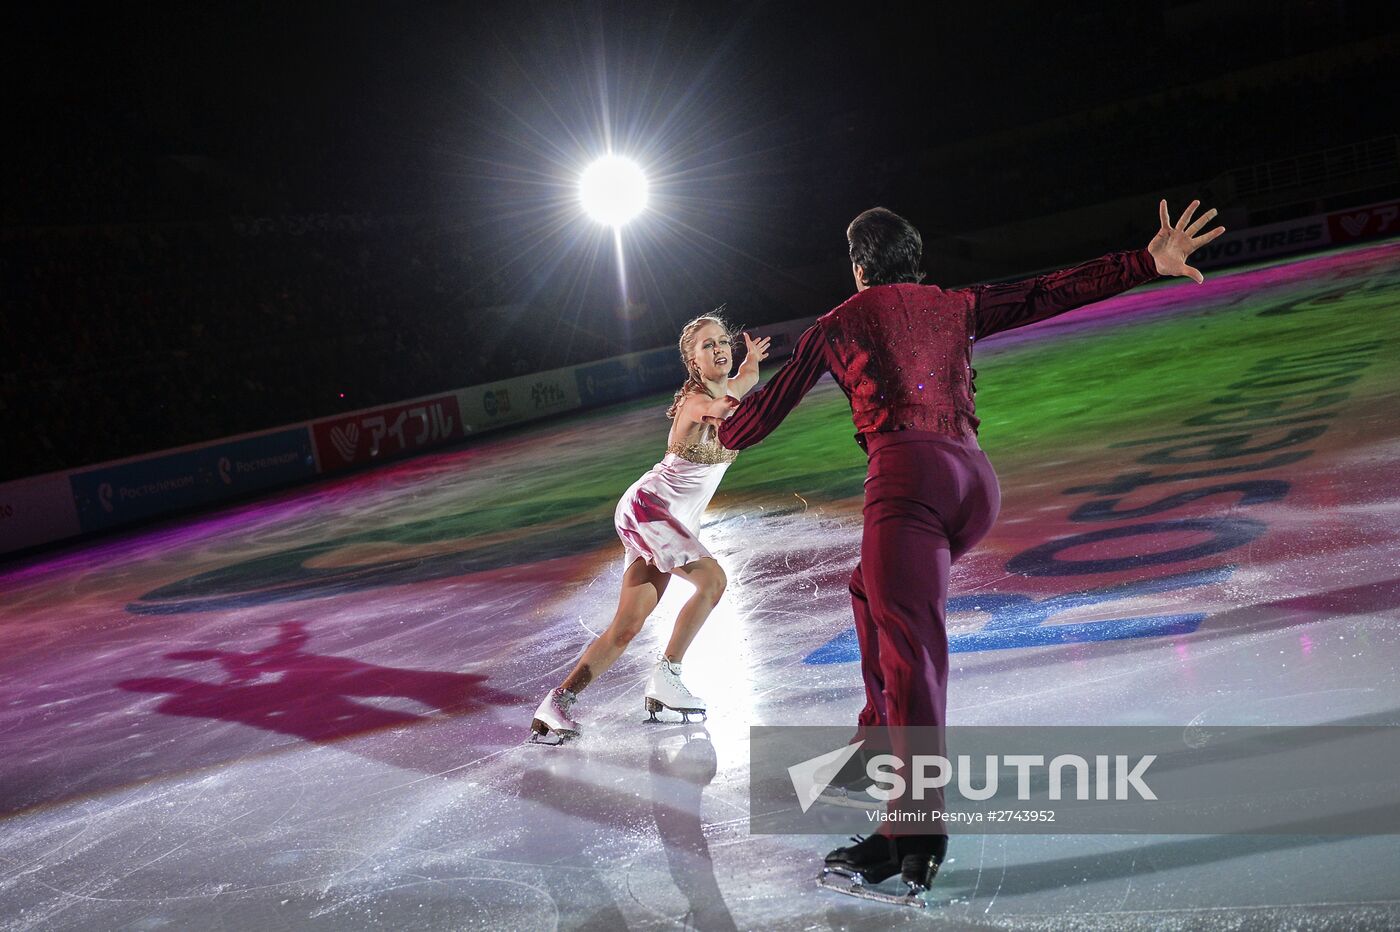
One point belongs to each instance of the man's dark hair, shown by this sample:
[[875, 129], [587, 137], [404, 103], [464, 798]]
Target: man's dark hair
[[886, 246]]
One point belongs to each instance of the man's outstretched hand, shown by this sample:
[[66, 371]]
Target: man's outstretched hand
[[1173, 244], [715, 412]]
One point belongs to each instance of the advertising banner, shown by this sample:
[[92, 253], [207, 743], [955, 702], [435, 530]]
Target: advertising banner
[[108, 496], [1276, 239], [36, 511], [658, 369], [604, 382], [784, 336], [635, 374], [383, 433], [630, 376], [517, 400], [1346, 226]]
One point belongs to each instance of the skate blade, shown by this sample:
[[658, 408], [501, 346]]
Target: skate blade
[[552, 740], [540, 733], [832, 796], [656, 705], [853, 884]]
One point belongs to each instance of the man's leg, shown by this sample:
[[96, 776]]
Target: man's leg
[[925, 502], [907, 564], [870, 733], [917, 495], [873, 715]]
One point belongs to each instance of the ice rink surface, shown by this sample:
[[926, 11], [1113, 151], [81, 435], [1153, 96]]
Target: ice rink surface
[[307, 711]]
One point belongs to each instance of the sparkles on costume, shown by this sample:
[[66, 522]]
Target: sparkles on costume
[[903, 355], [658, 517]]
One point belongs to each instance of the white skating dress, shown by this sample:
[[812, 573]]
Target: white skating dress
[[658, 518]]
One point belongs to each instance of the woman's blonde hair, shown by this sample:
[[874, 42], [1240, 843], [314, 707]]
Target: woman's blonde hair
[[686, 344]]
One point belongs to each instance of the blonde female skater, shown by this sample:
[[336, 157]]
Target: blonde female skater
[[658, 519]]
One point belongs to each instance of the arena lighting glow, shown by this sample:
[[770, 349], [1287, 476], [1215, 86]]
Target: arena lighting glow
[[613, 190]]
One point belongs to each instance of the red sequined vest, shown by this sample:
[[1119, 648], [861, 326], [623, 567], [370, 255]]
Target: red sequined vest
[[903, 355]]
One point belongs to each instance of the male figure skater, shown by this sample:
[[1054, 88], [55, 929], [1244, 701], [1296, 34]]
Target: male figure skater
[[902, 353]]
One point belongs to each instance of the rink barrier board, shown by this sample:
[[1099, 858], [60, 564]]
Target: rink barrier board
[[113, 495], [45, 509], [387, 432], [517, 400], [36, 511], [1338, 228]]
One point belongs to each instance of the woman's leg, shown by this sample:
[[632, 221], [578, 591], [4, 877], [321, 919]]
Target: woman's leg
[[642, 587], [708, 578]]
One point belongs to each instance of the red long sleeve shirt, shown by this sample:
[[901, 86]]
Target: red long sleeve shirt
[[903, 353]]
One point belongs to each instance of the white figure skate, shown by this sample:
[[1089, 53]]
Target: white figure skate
[[552, 725], [666, 691]]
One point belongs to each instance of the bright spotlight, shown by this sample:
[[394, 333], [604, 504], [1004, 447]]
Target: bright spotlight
[[613, 190]]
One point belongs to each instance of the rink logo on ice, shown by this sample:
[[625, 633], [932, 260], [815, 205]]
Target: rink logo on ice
[[1018, 621]]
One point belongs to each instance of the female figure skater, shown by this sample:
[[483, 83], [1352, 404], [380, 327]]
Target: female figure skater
[[657, 520]]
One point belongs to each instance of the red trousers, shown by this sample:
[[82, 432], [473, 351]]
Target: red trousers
[[928, 500]]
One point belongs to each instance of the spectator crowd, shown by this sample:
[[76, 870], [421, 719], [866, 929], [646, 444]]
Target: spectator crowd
[[132, 330]]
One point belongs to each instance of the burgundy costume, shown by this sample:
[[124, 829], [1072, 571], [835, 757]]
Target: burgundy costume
[[903, 356]]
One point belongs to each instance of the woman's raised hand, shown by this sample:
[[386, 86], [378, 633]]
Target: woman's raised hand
[[756, 351]]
